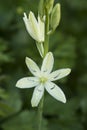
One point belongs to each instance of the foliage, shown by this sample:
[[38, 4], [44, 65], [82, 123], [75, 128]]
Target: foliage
[[69, 47]]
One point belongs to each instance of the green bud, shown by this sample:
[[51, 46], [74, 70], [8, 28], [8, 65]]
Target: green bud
[[20, 10], [49, 5], [41, 8], [55, 16], [40, 48]]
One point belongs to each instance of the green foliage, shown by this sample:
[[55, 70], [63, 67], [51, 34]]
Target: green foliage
[[23, 121], [69, 46], [7, 106], [3, 47]]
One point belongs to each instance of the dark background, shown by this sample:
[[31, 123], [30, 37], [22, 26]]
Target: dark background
[[69, 46]]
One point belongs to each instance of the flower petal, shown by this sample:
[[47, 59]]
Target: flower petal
[[34, 26], [48, 62], [27, 82], [55, 91], [58, 74], [41, 25], [29, 27], [32, 66], [33, 19], [37, 95]]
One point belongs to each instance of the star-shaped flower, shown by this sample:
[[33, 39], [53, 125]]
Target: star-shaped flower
[[43, 79], [35, 28]]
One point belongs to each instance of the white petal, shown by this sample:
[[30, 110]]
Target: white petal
[[37, 95], [28, 26], [58, 74], [48, 62], [34, 26], [41, 25], [32, 66], [33, 19], [26, 22], [55, 91], [27, 82]]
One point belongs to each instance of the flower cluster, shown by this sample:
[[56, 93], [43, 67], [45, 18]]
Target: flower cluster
[[40, 29]]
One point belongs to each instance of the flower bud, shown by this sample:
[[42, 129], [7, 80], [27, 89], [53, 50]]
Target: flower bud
[[55, 16], [41, 8], [49, 5], [40, 48], [34, 27]]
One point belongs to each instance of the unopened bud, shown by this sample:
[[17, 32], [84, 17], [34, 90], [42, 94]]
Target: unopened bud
[[55, 16], [41, 8], [49, 5]]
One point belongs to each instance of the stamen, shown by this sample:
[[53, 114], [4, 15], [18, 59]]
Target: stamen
[[43, 79]]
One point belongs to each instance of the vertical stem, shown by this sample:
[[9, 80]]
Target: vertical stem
[[46, 42], [46, 47], [40, 111]]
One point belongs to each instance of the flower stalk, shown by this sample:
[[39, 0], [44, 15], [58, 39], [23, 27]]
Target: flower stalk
[[46, 42], [40, 113], [46, 48]]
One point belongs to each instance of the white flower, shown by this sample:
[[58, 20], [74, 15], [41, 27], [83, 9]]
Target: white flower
[[43, 79], [35, 28]]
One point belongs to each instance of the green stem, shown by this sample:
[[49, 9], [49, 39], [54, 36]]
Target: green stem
[[46, 42], [46, 47], [40, 111]]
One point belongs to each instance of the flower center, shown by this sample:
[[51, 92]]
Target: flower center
[[43, 79]]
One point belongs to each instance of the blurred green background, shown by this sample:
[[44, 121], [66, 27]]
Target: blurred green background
[[69, 46]]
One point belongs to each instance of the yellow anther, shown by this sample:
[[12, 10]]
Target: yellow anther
[[43, 79]]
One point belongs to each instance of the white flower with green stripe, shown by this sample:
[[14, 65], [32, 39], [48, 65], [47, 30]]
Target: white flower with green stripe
[[43, 79]]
